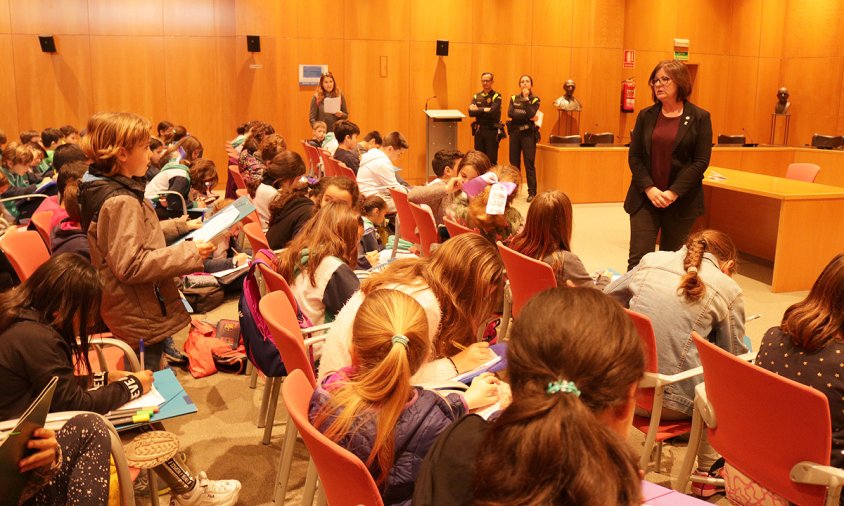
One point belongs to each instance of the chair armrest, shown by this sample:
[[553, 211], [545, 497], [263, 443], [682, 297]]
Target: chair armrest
[[311, 341], [811, 473], [325, 327], [654, 380], [134, 364], [750, 356]]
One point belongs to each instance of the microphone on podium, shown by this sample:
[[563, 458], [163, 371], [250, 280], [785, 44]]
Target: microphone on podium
[[429, 99]]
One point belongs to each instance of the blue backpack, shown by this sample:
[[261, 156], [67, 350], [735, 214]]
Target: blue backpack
[[257, 339]]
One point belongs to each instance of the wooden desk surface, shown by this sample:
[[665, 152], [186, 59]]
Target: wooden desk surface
[[770, 186]]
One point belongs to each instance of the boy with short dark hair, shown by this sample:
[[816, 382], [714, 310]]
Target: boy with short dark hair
[[346, 134]]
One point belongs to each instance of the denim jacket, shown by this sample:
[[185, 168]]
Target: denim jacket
[[651, 289]]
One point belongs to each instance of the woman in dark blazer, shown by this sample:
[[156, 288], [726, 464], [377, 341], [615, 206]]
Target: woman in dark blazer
[[669, 152]]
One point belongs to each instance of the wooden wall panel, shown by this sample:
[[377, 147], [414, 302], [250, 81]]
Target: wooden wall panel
[[706, 24], [510, 23], [550, 69], [767, 83], [772, 26], [140, 80], [604, 101], [745, 28], [602, 27], [814, 28], [655, 35], [278, 18], [5, 19], [740, 97], [815, 86], [8, 98], [225, 18], [442, 19], [60, 18], [127, 17], [381, 19], [52, 88], [553, 20], [192, 18], [315, 19], [709, 89]]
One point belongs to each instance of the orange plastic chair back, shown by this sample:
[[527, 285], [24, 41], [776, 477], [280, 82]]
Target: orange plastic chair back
[[455, 229], [765, 423], [42, 220], [276, 283], [256, 236], [407, 225], [26, 252], [280, 317], [237, 177], [343, 170], [527, 276], [344, 478], [426, 226], [313, 155], [329, 165], [645, 396], [803, 172]]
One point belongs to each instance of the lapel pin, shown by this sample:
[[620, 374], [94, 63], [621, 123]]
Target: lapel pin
[[685, 122], [688, 117]]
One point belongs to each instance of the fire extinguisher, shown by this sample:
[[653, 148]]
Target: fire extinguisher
[[628, 95]]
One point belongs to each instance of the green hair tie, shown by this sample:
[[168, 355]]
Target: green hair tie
[[564, 386], [402, 340]]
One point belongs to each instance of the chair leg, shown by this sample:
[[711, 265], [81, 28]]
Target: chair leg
[[691, 452], [310, 484], [321, 500], [253, 377], [285, 461], [270, 415], [650, 439], [658, 456], [396, 238], [153, 487], [265, 400]]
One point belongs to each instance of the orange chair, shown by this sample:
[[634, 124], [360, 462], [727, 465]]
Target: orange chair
[[280, 317], [237, 177], [42, 220], [313, 157], [343, 170], [329, 165], [345, 479], [426, 227], [256, 236], [527, 276], [803, 172], [25, 250], [775, 431], [455, 229], [650, 395]]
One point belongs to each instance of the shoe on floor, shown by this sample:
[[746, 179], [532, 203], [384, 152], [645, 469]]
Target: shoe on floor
[[172, 354], [209, 492], [705, 490]]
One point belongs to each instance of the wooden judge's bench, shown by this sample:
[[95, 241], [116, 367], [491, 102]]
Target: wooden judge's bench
[[798, 226]]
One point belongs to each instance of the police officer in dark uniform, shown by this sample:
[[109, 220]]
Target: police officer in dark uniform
[[486, 109], [523, 131]]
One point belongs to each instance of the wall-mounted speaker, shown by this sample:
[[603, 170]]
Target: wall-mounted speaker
[[442, 48], [253, 43], [48, 43]]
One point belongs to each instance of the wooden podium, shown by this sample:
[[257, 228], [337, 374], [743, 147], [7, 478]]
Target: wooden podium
[[440, 133]]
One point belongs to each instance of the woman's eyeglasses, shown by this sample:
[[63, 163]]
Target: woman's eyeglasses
[[660, 80]]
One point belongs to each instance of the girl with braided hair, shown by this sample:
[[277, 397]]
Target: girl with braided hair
[[683, 291]]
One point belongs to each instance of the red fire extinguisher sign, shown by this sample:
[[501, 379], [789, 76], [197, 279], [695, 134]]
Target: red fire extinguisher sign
[[629, 58]]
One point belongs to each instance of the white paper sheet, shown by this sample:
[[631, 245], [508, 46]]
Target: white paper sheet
[[331, 105], [539, 118], [148, 400], [218, 224]]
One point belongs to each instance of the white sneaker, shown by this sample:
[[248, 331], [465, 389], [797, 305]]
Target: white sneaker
[[209, 492]]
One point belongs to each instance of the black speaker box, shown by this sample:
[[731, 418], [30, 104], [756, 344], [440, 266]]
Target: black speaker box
[[442, 48], [48, 43], [253, 43]]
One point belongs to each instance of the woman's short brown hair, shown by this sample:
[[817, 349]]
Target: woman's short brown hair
[[679, 73]]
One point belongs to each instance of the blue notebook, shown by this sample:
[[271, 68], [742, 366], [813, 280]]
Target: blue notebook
[[176, 400]]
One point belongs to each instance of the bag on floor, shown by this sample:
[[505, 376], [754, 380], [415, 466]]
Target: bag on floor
[[199, 348], [229, 360], [202, 292], [259, 343]]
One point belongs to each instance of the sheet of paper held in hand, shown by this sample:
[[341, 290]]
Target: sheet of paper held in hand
[[331, 105]]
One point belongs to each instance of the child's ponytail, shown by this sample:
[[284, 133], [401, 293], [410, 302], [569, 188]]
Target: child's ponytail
[[389, 344]]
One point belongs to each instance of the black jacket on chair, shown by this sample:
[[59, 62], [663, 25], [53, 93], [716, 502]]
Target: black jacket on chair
[[689, 160]]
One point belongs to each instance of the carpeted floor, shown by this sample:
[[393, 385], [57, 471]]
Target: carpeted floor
[[223, 438]]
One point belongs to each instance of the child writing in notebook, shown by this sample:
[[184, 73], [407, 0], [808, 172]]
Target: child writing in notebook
[[371, 407], [574, 362], [128, 242]]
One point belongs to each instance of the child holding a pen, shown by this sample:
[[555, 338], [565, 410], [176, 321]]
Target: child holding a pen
[[128, 247], [43, 318]]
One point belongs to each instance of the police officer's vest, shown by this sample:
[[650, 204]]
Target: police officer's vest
[[521, 102], [486, 100]]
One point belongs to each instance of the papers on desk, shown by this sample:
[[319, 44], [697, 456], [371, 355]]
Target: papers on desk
[[716, 176], [227, 276], [468, 376], [331, 105], [148, 400]]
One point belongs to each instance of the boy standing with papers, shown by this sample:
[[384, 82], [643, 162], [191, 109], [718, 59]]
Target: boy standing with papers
[[127, 241]]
